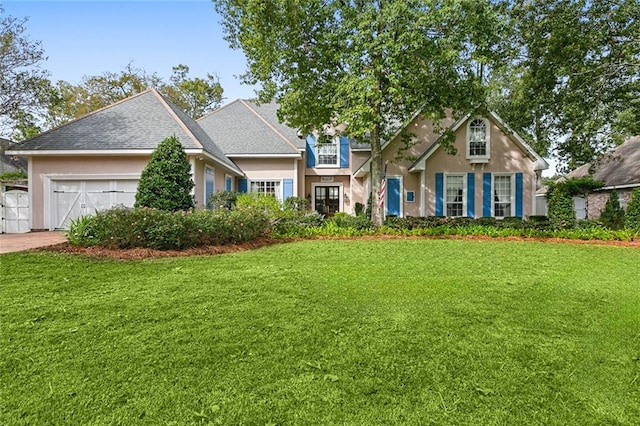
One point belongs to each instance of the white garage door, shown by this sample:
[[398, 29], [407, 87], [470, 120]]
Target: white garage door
[[74, 198]]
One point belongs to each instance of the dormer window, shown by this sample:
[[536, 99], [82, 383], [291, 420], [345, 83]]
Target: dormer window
[[328, 153], [478, 140]]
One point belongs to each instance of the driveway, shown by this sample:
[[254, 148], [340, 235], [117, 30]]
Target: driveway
[[20, 242]]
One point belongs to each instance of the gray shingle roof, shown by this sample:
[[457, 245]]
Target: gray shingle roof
[[139, 122], [244, 128], [620, 167]]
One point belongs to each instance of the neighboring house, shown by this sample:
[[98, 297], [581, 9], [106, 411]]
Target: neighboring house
[[242, 146], [619, 170], [9, 163], [95, 162]]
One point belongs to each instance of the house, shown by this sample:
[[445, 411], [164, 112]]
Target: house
[[94, 162], [619, 170]]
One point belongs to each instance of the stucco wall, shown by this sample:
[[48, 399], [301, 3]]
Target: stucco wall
[[505, 157]]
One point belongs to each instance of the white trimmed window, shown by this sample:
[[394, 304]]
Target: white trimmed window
[[503, 195], [454, 201], [478, 140], [328, 153], [267, 187]]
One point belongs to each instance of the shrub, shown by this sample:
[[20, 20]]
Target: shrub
[[632, 215], [166, 183], [561, 213], [264, 202], [359, 209], [343, 220], [297, 204], [613, 215], [296, 224], [222, 200], [151, 228]]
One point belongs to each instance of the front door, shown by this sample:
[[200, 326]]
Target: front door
[[327, 200]]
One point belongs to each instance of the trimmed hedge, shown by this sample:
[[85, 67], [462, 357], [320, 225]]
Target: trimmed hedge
[[157, 229]]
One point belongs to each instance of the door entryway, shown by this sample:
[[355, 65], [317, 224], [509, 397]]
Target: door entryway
[[327, 200]]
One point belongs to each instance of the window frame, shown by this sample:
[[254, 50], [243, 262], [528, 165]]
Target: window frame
[[278, 187], [512, 194], [333, 142], [487, 141], [445, 182]]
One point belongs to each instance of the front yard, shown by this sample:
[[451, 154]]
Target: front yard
[[325, 332]]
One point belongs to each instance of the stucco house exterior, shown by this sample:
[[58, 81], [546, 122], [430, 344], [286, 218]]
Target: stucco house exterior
[[619, 170], [95, 162]]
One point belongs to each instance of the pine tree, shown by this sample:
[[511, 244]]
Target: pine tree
[[166, 182]]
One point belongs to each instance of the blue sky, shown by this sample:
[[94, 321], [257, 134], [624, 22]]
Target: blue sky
[[91, 37]]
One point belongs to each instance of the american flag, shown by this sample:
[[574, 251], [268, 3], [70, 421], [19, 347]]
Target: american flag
[[383, 186]]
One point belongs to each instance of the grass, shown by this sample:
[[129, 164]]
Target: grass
[[325, 332]]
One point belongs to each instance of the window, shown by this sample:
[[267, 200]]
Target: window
[[478, 140], [209, 185], [454, 195], [267, 187], [328, 153], [502, 196]]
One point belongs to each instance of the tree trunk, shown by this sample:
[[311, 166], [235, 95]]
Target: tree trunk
[[377, 213]]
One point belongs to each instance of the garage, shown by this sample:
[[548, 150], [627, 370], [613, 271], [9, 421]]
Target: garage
[[71, 199]]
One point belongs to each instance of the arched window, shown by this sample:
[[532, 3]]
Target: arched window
[[478, 140]]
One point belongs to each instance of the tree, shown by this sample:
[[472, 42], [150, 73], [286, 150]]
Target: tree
[[632, 215], [196, 96], [166, 183], [573, 84], [561, 213], [21, 75], [366, 64]]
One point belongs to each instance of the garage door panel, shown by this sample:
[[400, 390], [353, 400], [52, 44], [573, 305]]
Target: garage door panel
[[67, 207], [72, 199]]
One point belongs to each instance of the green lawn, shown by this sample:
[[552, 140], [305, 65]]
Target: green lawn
[[325, 332]]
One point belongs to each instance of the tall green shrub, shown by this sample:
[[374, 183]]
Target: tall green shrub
[[632, 216], [613, 215], [561, 213], [166, 182]]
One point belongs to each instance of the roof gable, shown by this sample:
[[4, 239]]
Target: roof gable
[[137, 123], [540, 163], [243, 128]]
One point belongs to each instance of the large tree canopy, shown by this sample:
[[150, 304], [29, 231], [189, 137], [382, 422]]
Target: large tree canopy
[[21, 75], [367, 64], [573, 84]]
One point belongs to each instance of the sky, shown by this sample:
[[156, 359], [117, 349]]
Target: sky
[[87, 37]]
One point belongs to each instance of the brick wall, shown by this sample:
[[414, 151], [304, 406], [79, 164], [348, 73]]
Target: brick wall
[[597, 200]]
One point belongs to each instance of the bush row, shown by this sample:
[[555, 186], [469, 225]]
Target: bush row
[[150, 228]]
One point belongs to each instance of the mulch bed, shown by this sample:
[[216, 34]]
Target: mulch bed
[[145, 253]]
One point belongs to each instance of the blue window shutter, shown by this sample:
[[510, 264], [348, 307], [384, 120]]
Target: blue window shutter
[[486, 195], [242, 185], [311, 151], [288, 188], [227, 183], [471, 195], [344, 151], [519, 188], [439, 194]]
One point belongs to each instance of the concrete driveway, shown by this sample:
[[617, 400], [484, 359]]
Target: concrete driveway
[[20, 242]]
